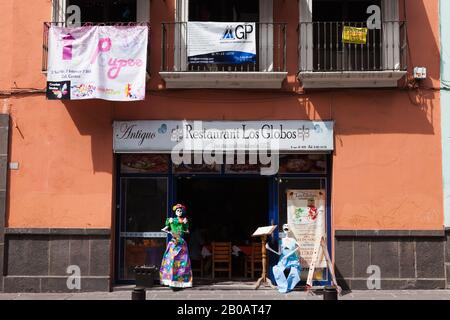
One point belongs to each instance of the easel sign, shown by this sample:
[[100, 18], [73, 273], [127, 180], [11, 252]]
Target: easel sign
[[319, 250], [264, 232]]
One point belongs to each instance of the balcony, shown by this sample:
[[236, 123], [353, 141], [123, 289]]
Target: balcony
[[327, 62], [47, 26], [267, 72]]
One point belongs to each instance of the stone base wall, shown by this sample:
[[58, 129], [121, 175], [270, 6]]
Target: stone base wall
[[36, 260], [406, 259], [42, 260]]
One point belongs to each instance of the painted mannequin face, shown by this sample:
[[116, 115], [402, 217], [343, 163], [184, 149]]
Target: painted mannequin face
[[178, 212]]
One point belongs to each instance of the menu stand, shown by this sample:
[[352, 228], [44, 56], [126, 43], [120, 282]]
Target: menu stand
[[264, 232]]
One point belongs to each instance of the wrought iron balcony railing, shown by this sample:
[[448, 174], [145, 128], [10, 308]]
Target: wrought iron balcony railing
[[47, 26], [322, 48], [270, 48]]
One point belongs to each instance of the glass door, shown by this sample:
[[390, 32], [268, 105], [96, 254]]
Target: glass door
[[143, 213]]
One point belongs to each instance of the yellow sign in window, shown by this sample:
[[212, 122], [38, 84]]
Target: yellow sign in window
[[354, 35]]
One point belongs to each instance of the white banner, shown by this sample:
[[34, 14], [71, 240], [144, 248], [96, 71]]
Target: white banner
[[221, 42], [103, 62], [165, 135], [306, 219]]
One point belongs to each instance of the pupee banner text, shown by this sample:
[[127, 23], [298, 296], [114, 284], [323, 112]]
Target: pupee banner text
[[97, 62]]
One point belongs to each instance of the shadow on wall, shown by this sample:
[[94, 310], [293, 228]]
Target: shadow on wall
[[93, 118], [423, 45], [377, 111], [356, 111]]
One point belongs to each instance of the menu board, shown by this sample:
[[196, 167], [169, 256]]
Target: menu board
[[264, 231], [306, 219]]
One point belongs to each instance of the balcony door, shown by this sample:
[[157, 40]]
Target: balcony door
[[259, 11], [330, 53], [321, 45], [225, 11]]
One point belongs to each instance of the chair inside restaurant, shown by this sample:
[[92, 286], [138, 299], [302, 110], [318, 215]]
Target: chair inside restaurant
[[224, 210]]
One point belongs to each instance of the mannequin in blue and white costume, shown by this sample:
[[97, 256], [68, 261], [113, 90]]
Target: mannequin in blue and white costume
[[289, 263]]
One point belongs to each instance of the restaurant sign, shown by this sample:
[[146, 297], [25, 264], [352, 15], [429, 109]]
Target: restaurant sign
[[97, 62], [163, 136]]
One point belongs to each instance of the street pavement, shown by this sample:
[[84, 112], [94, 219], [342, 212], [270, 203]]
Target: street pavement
[[264, 294]]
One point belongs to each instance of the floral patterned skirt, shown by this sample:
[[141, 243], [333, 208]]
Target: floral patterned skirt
[[176, 267]]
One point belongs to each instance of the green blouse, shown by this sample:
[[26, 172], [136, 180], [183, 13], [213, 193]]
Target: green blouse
[[177, 227]]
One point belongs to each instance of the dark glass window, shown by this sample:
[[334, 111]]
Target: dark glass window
[[145, 204], [342, 10], [330, 53], [224, 10], [106, 10], [144, 211]]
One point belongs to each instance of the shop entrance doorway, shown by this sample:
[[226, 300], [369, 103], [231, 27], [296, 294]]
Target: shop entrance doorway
[[224, 203], [224, 209]]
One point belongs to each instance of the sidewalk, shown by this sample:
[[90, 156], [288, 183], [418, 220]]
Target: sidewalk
[[196, 294]]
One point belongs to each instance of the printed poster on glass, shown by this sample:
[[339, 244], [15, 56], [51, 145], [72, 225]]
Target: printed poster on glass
[[306, 219]]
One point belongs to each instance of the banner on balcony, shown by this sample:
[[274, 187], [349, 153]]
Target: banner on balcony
[[221, 42], [97, 62]]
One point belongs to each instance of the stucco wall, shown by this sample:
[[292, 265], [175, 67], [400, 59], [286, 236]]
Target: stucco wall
[[65, 165], [6, 47]]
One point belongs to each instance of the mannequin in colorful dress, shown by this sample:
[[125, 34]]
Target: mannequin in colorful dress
[[288, 269], [176, 269]]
